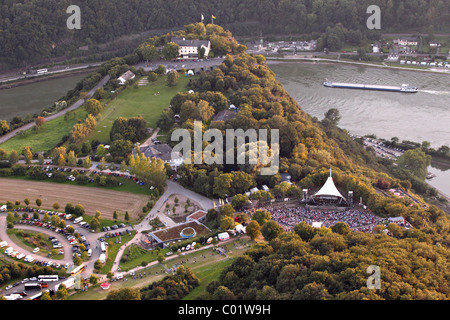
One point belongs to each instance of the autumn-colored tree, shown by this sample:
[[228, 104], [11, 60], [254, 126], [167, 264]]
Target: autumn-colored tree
[[4, 128], [253, 229], [28, 154], [40, 121], [71, 159]]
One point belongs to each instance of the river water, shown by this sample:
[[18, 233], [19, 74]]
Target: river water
[[422, 116], [32, 98]]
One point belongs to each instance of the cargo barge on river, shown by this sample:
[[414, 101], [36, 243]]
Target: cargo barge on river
[[403, 88]]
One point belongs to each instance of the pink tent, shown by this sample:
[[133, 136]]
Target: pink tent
[[105, 285]]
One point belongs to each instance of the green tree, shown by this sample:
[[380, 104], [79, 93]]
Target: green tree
[[78, 210], [226, 223], [239, 201], [161, 69], [262, 216], [270, 230], [93, 106], [13, 157], [172, 78], [152, 76], [341, 228], [253, 229], [124, 294], [332, 117], [170, 50], [62, 292], [415, 161], [149, 52]]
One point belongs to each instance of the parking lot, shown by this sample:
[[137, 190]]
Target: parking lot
[[381, 149]]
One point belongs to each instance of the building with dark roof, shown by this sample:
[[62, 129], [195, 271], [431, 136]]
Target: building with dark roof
[[163, 152], [224, 115]]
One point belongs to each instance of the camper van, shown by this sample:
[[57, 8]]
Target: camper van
[[223, 236], [79, 219]]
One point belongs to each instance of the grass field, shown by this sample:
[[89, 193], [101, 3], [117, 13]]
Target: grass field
[[147, 101], [137, 255], [32, 240], [48, 135]]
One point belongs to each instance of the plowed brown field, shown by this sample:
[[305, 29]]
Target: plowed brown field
[[91, 198]]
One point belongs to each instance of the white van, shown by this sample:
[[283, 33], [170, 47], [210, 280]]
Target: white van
[[3, 244], [89, 252], [79, 219]]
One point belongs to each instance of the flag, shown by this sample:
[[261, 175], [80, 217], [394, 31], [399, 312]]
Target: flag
[[213, 16]]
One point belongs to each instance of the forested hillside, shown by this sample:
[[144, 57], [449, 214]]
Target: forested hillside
[[331, 265], [34, 29]]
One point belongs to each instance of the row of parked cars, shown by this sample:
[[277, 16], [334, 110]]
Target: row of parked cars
[[114, 233]]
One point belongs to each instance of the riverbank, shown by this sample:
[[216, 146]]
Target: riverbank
[[367, 64]]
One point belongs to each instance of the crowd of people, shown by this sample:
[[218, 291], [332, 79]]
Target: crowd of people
[[357, 219]]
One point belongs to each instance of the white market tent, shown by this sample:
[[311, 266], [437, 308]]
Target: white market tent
[[329, 191], [317, 224]]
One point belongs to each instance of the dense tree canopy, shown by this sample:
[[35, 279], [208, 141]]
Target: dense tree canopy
[[334, 266], [33, 29]]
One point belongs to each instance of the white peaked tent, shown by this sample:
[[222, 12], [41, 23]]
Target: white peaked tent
[[329, 191]]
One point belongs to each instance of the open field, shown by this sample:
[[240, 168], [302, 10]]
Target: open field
[[106, 201], [148, 101], [47, 136]]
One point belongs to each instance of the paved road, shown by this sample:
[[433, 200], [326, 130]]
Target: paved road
[[76, 105], [92, 238], [187, 64]]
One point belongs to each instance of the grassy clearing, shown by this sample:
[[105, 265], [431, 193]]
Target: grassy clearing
[[114, 245], [147, 101], [48, 135], [28, 240], [136, 256]]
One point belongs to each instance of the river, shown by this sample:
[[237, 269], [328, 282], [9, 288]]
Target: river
[[422, 116], [32, 98]]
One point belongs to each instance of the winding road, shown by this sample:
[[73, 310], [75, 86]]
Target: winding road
[[76, 105]]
